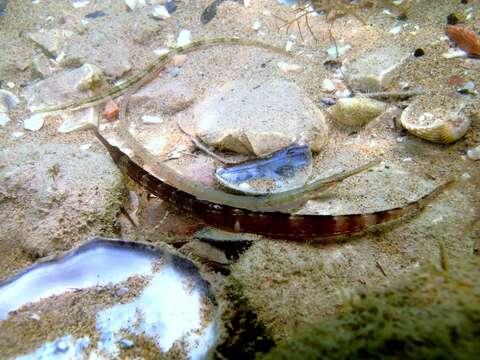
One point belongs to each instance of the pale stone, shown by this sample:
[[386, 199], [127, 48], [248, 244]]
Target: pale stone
[[474, 154], [41, 66], [92, 77], [4, 119], [338, 50], [78, 120], [62, 87], [376, 68], [328, 85], [254, 117], [357, 111], [164, 94], [50, 41]]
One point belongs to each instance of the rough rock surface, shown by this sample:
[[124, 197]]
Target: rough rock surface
[[376, 69], [165, 94], [291, 284], [53, 196], [252, 117], [50, 41], [63, 87]]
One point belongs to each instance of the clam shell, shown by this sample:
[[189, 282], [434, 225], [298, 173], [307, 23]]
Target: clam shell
[[7, 101], [439, 120]]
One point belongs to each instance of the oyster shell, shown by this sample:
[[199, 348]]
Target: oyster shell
[[124, 293], [439, 119]]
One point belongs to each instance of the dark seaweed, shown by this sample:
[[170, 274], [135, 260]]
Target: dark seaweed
[[211, 10], [95, 14]]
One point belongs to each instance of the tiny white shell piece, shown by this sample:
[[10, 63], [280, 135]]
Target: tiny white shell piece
[[34, 122], [442, 124], [160, 12], [289, 67], [184, 38], [152, 119]]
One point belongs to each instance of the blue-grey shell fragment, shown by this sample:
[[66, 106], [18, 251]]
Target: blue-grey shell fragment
[[283, 170]]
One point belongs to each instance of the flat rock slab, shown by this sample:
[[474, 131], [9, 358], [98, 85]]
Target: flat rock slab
[[112, 58], [166, 95], [257, 117], [53, 196], [375, 69], [63, 87]]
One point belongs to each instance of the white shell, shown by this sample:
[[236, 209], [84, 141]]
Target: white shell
[[7, 101], [437, 119], [34, 122]]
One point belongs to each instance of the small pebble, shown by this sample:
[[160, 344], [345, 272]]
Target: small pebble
[[184, 38], [10, 84], [110, 111], [289, 67], [454, 53], [85, 147], [257, 25], [17, 134], [328, 85], [4, 119], [34, 122], [179, 60], [126, 343], [133, 4], [339, 50], [161, 51], [122, 291], [289, 45], [160, 12], [328, 101], [35, 316], [474, 154], [80, 3], [174, 71], [395, 30], [171, 6]]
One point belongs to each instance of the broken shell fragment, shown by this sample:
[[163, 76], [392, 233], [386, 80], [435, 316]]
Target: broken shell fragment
[[7, 101], [357, 110], [282, 171], [168, 302], [438, 119]]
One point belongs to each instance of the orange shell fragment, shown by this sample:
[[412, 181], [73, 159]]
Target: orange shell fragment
[[465, 39]]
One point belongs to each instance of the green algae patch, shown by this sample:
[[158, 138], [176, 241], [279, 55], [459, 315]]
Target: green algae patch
[[431, 314]]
